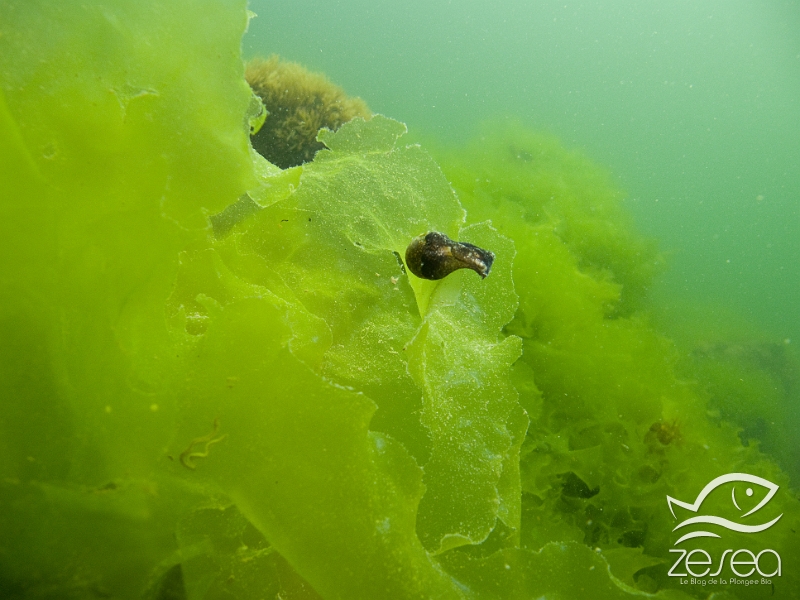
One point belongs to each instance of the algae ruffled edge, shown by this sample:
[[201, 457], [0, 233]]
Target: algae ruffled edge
[[375, 436]]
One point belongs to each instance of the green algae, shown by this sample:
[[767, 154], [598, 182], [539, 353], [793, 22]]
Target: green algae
[[615, 425], [172, 300]]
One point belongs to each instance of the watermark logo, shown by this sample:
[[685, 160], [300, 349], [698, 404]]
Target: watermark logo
[[715, 520], [741, 563]]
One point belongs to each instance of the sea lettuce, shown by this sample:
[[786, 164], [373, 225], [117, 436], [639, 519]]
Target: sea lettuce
[[615, 428], [219, 380], [121, 130], [111, 208], [315, 277]]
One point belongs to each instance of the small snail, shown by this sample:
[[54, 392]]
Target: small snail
[[433, 255]]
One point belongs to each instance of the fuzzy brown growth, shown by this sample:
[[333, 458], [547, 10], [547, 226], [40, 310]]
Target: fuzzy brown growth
[[664, 433], [299, 103]]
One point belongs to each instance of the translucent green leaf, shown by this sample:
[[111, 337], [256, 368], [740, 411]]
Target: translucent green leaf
[[462, 365], [431, 354], [559, 570], [294, 453]]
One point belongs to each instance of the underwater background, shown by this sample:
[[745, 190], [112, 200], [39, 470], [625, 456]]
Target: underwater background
[[219, 379], [694, 107]]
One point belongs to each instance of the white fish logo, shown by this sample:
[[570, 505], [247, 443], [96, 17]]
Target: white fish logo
[[713, 520]]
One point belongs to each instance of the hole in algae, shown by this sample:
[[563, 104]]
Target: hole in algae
[[632, 539], [575, 487]]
